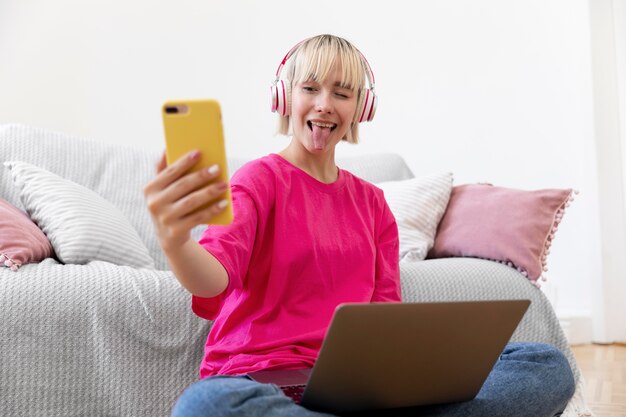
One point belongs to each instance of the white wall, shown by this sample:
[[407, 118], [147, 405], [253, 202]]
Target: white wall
[[496, 91], [608, 30]]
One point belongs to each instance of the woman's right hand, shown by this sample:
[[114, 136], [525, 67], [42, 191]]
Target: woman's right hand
[[175, 194]]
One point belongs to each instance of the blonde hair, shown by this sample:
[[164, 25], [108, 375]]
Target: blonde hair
[[314, 59]]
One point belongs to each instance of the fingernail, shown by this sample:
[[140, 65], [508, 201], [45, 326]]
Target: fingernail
[[213, 169], [194, 154], [222, 204]]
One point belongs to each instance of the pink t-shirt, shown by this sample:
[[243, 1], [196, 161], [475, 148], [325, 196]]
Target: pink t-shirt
[[296, 249]]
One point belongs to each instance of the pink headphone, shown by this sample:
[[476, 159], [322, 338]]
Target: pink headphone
[[281, 91]]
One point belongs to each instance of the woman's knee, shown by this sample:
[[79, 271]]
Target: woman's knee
[[547, 360]]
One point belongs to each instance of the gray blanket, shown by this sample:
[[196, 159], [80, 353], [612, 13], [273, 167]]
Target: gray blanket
[[105, 340]]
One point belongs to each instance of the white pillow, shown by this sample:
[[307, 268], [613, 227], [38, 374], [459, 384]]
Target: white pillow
[[418, 205], [81, 225]]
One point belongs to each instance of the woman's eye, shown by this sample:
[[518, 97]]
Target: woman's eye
[[308, 89]]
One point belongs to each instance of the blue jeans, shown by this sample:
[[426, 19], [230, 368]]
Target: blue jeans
[[530, 379]]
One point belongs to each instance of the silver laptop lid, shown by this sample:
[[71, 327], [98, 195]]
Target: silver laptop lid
[[390, 355]]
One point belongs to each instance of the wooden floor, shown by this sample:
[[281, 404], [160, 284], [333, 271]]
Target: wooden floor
[[604, 370]]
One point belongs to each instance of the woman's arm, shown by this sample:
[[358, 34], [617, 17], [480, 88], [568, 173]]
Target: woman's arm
[[197, 270]]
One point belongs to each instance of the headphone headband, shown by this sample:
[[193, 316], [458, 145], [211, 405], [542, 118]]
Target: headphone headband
[[287, 56], [281, 90]]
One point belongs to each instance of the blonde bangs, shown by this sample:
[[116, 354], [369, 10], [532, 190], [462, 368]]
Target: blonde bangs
[[317, 57]]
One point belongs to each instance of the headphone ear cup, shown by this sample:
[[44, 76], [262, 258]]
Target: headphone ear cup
[[368, 106], [281, 97], [274, 97], [287, 87]]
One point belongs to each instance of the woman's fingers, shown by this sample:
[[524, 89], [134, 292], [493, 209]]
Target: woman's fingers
[[191, 182], [205, 215], [174, 182], [196, 199], [171, 173], [181, 189]]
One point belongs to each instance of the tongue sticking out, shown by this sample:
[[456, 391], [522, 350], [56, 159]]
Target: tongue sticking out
[[320, 136]]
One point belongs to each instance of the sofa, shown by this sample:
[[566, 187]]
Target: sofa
[[97, 336]]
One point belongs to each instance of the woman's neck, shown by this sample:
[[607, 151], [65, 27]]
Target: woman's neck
[[320, 166]]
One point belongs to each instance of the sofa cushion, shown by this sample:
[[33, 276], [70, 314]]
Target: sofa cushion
[[81, 225], [21, 241], [418, 205], [511, 226]]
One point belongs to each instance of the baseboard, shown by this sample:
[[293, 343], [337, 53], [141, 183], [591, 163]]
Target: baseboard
[[577, 327]]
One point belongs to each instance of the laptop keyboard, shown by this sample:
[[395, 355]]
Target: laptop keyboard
[[294, 392]]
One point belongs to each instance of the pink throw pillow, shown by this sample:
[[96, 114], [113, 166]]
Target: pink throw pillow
[[514, 227], [21, 241]]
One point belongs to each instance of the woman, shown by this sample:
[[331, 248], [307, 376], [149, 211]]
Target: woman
[[306, 237]]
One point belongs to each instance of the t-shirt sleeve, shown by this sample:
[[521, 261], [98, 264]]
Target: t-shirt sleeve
[[387, 286], [232, 246]]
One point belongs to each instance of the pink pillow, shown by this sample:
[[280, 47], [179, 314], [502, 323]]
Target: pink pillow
[[21, 241], [510, 226]]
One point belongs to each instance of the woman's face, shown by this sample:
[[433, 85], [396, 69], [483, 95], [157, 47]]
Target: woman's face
[[322, 112]]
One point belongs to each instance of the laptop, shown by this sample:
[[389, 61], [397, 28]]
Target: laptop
[[392, 355]]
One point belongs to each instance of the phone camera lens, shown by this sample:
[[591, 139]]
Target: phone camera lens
[[171, 110]]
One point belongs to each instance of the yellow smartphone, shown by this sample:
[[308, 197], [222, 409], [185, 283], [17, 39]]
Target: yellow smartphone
[[197, 124]]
